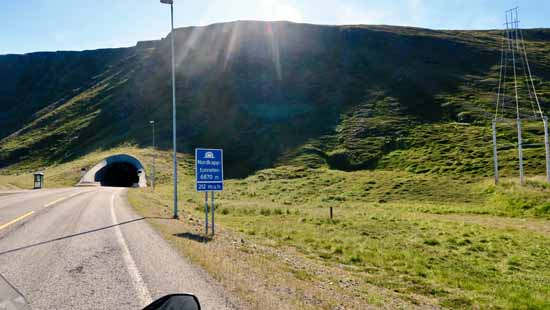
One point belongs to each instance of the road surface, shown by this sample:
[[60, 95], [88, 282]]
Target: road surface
[[84, 248]]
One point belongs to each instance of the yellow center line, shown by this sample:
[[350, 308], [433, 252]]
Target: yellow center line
[[49, 204], [16, 220]]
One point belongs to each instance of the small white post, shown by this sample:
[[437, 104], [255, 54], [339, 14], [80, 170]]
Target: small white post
[[547, 149], [495, 151], [520, 154]]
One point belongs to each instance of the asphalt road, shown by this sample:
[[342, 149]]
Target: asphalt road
[[84, 248]]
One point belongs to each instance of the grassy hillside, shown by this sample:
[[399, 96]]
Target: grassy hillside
[[342, 97], [32, 85], [398, 239]]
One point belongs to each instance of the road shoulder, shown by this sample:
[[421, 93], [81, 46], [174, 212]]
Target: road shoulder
[[155, 259]]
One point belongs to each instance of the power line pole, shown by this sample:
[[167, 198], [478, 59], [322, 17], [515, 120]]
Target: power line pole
[[547, 149], [513, 28], [495, 150], [514, 54]]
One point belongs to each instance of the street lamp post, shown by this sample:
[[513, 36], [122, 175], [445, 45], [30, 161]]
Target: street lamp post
[[171, 2], [154, 155]]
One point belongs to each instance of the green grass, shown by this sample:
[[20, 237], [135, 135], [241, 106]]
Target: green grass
[[426, 239], [458, 264], [401, 238]]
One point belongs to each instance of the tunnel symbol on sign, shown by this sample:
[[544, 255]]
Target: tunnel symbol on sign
[[209, 155]]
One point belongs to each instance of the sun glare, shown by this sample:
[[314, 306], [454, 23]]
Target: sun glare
[[271, 10]]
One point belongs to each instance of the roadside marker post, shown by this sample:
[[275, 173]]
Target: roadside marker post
[[209, 178]]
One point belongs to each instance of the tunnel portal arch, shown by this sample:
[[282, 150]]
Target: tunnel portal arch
[[120, 170]]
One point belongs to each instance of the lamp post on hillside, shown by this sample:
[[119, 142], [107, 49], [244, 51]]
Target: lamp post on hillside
[[154, 155], [171, 2]]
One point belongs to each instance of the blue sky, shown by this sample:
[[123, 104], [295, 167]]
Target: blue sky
[[48, 25]]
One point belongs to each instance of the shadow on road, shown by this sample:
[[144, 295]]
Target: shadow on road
[[71, 236], [11, 295], [194, 237]]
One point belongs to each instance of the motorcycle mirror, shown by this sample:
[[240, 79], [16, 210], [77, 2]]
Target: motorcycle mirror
[[175, 302]]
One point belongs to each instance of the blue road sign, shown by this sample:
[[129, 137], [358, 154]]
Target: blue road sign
[[209, 170]]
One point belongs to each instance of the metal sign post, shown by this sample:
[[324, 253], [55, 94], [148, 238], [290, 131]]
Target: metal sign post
[[209, 177], [206, 213], [213, 208]]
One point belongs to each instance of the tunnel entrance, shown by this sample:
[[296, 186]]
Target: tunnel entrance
[[120, 170], [119, 174]]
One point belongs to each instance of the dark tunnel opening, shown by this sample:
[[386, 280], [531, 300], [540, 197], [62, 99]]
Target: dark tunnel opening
[[118, 174]]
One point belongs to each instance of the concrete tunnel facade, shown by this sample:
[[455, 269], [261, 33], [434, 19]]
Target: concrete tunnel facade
[[120, 170]]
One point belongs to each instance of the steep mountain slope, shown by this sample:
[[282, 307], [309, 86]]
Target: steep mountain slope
[[347, 97], [32, 82]]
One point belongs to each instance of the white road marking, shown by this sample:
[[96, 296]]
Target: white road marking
[[141, 289]]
